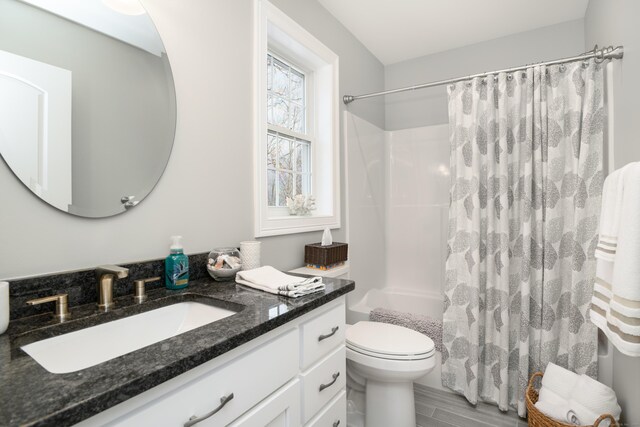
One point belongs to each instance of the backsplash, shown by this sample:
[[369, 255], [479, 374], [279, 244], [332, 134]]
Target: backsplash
[[82, 285]]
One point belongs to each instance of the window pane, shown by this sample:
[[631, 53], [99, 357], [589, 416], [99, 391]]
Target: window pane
[[284, 154], [269, 72], [271, 187], [299, 189], [297, 86], [280, 78], [302, 157], [285, 187], [280, 112], [296, 117], [272, 150]]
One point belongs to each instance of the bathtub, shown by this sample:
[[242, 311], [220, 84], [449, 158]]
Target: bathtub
[[409, 301]]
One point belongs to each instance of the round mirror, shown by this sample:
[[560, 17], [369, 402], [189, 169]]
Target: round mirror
[[87, 102]]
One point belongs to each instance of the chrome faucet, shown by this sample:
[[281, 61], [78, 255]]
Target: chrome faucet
[[107, 275]]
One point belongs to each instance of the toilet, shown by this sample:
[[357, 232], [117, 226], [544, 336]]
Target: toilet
[[384, 360]]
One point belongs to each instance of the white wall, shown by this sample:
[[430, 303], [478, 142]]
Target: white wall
[[429, 106], [615, 22], [209, 43], [417, 185], [366, 204]]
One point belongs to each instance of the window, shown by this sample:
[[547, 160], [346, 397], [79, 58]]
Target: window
[[297, 127], [288, 143]]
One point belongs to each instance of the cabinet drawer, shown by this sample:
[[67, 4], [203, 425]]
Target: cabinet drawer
[[322, 382], [334, 414], [281, 409], [251, 378], [320, 336]]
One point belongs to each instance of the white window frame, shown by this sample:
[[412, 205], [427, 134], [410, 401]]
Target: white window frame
[[278, 33]]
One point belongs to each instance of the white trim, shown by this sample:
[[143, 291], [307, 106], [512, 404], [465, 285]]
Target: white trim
[[290, 40]]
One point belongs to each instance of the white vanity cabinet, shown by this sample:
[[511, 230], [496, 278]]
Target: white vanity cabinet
[[292, 376]]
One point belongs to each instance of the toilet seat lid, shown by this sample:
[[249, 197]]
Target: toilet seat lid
[[386, 339]]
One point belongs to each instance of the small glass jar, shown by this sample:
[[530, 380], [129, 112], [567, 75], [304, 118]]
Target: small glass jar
[[224, 263]]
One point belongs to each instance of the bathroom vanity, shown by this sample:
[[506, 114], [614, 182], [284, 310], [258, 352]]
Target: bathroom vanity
[[277, 361]]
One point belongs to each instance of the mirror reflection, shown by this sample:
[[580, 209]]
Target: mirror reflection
[[87, 102]]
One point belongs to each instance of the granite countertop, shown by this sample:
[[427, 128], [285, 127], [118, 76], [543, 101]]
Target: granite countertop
[[32, 396]]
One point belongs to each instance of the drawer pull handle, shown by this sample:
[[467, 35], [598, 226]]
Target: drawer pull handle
[[329, 335], [336, 423], [335, 378], [195, 420]]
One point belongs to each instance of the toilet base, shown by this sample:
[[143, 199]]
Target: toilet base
[[390, 404]]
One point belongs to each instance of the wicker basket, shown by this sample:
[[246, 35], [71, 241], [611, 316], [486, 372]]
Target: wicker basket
[[538, 419]]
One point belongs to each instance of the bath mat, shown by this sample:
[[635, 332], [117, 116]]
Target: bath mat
[[418, 322]]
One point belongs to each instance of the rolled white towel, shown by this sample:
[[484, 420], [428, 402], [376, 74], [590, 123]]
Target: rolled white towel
[[557, 411], [559, 380], [580, 415], [595, 396]]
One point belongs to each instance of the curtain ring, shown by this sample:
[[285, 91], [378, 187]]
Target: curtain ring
[[562, 68], [599, 56], [585, 64], [524, 74], [509, 77], [452, 86], [469, 83]]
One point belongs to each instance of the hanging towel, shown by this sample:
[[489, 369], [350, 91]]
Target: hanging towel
[[610, 216], [270, 280], [615, 306]]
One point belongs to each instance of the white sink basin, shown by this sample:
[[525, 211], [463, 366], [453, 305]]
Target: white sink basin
[[88, 347]]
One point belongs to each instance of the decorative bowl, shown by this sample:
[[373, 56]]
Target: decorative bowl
[[224, 263]]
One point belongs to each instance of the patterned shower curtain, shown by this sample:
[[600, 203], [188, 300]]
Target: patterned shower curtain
[[526, 166]]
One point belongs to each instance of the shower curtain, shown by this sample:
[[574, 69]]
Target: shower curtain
[[526, 166]]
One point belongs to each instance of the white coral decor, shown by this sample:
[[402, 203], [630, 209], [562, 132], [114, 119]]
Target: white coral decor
[[301, 204]]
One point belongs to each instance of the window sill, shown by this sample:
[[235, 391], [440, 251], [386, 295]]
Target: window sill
[[291, 224]]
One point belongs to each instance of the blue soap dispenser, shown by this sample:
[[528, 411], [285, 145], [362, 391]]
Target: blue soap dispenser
[[176, 266]]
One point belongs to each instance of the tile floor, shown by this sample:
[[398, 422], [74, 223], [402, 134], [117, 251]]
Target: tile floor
[[436, 408]]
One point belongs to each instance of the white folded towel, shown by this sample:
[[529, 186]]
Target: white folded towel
[[592, 397], [615, 305], [559, 380], [269, 279], [580, 415], [558, 412]]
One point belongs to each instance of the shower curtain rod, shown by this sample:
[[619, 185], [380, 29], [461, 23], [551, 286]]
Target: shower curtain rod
[[599, 54]]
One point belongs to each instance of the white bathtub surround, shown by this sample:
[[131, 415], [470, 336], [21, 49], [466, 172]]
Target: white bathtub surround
[[386, 359], [523, 228], [4, 306], [417, 185], [615, 306], [365, 159]]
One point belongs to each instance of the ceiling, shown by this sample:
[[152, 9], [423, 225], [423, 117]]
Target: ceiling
[[397, 30]]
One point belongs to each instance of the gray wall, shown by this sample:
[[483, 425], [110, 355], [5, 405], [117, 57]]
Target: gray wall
[[123, 115], [615, 22], [210, 45], [429, 106]]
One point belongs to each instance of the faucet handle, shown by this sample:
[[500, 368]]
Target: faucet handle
[[62, 305], [140, 295]]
